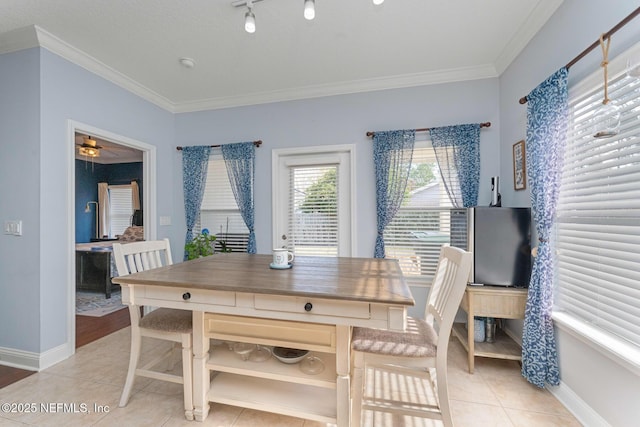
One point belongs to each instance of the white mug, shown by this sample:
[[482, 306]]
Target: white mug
[[282, 257]]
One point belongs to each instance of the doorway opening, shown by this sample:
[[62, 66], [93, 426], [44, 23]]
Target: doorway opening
[[118, 159]]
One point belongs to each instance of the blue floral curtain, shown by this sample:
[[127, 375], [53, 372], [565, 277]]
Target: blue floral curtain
[[392, 155], [240, 162], [195, 161], [457, 150], [547, 116]]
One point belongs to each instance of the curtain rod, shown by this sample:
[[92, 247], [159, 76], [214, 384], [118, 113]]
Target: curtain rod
[[256, 143], [595, 44], [482, 125]]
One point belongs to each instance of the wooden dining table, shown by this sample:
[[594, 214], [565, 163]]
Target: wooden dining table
[[311, 306]]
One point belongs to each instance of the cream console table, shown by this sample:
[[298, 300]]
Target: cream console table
[[237, 297], [491, 301]]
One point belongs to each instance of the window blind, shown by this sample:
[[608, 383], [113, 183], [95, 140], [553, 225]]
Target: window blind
[[423, 223], [120, 209], [598, 215], [219, 212], [313, 210]]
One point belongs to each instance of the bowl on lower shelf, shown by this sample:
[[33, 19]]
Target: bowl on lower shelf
[[289, 355]]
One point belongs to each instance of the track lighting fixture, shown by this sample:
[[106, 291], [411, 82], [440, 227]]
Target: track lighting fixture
[[249, 22], [309, 9], [250, 19]]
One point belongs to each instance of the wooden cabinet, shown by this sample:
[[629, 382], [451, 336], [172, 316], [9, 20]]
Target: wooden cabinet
[[491, 301]]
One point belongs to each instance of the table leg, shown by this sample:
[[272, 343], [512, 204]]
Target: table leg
[[201, 382], [343, 380]]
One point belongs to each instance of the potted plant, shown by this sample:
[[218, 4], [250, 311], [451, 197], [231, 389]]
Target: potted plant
[[200, 246]]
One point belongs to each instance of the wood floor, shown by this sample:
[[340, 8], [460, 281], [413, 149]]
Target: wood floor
[[88, 329]]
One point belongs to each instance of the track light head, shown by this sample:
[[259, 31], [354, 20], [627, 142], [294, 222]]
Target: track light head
[[309, 9], [250, 22]]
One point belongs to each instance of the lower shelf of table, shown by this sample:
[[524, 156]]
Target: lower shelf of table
[[292, 399], [502, 348]]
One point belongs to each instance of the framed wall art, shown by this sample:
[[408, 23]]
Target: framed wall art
[[519, 166]]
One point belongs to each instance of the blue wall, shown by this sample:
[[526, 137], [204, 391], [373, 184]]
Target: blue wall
[[88, 175]]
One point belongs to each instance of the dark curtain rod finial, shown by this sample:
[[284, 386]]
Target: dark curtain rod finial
[[257, 143], [482, 125]]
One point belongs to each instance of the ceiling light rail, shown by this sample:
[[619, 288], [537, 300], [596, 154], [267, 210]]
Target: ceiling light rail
[[371, 134], [257, 143]]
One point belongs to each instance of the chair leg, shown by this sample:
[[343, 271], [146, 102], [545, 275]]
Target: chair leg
[[136, 344], [357, 389], [187, 375], [443, 390]]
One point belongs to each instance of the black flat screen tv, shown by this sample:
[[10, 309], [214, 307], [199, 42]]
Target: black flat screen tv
[[500, 240]]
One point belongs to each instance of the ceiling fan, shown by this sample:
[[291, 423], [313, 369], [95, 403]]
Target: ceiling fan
[[89, 147]]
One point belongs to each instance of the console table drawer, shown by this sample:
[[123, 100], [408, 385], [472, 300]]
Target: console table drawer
[[334, 308], [192, 295], [312, 336]]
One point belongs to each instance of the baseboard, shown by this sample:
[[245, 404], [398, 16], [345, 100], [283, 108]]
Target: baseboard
[[32, 361], [578, 407], [20, 359]]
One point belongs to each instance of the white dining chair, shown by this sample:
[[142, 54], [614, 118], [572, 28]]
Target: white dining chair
[[162, 323], [417, 355]]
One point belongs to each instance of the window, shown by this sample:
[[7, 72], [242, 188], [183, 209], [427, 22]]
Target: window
[[598, 219], [219, 212], [313, 210], [120, 209], [312, 200], [423, 223]]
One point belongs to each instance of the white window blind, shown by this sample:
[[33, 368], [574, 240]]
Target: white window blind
[[120, 209], [598, 216], [313, 210], [423, 223], [219, 212]]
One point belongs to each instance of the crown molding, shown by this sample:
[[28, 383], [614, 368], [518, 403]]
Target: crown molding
[[80, 58], [535, 21], [34, 36], [342, 88]]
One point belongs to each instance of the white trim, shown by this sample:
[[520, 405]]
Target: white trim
[[535, 21], [453, 75], [578, 407], [34, 36], [19, 359], [32, 361], [276, 192], [89, 63], [149, 185], [626, 355]]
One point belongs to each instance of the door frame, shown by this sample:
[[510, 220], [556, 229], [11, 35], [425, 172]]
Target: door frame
[[149, 200], [276, 185]]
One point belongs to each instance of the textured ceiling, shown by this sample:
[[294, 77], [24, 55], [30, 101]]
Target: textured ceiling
[[351, 46]]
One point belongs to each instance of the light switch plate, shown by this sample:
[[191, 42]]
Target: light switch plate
[[13, 228], [165, 220]]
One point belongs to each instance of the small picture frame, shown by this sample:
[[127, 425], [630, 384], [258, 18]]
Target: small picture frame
[[519, 166]]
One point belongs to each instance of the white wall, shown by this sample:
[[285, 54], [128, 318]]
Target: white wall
[[598, 390]]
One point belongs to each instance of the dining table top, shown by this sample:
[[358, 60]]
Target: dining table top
[[370, 280]]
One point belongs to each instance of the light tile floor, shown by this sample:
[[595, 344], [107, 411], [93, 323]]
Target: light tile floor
[[85, 389]]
